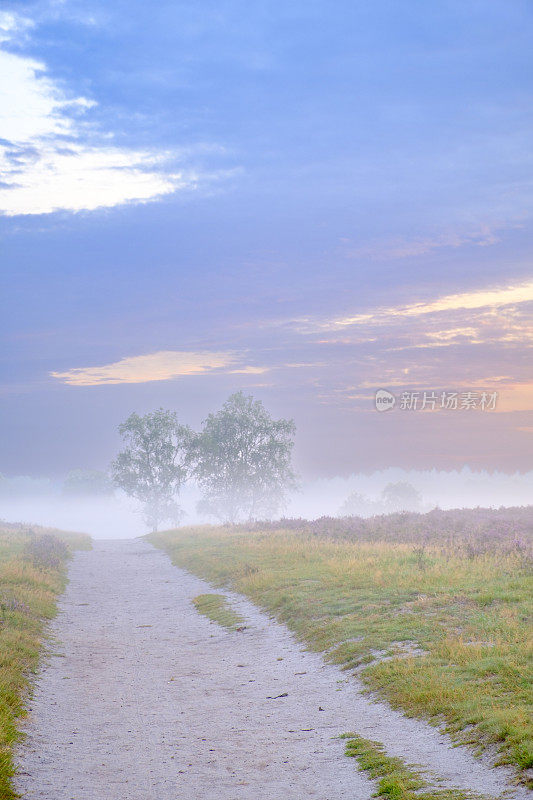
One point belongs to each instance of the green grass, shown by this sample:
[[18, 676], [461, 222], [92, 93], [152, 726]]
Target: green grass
[[440, 632], [395, 779], [217, 608], [32, 575]]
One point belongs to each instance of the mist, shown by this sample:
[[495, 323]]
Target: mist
[[463, 488], [39, 501]]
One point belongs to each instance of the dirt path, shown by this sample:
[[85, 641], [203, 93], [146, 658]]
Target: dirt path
[[142, 698]]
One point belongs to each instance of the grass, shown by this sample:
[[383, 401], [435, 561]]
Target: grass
[[217, 608], [396, 780], [442, 632], [32, 575]]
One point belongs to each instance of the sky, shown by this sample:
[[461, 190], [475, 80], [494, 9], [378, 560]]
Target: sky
[[309, 201]]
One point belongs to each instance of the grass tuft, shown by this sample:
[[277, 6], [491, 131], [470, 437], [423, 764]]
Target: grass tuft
[[396, 780], [217, 608]]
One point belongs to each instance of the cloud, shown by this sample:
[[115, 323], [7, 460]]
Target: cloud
[[511, 325], [446, 341], [13, 26], [465, 301], [249, 371], [484, 236], [161, 366], [515, 397], [51, 160], [82, 179]]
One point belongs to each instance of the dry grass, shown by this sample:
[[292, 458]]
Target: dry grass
[[32, 574], [441, 631]]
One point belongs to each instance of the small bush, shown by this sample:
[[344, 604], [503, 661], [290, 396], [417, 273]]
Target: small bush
[[46, 551]]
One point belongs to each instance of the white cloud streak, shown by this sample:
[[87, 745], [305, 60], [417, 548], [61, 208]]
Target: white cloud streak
[[82, 178]]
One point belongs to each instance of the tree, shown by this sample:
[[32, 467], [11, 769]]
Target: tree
[[401, 496], [87, 483], [152, 467], [360, 505], [395, 497], [242, 461]]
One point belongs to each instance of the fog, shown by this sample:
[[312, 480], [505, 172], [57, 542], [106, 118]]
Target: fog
[[455, 489], [115, 517], [41, 502]]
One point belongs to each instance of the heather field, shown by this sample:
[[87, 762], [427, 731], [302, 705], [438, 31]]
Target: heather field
[[431, 611], [32, 575], [468, 530]]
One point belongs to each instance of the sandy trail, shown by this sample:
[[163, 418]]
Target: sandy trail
[[142, 698]]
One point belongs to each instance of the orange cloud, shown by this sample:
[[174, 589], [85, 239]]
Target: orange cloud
[[161, 366], [483, 298], [515, 397]]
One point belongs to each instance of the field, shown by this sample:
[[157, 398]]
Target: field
[[32, 574], [432, 611]]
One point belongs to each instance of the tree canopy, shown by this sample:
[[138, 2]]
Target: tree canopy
[[152, 466], [242, 461], [87, 483], [401, 496]]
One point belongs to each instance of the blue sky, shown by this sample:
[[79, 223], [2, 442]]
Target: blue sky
[[307, 201]]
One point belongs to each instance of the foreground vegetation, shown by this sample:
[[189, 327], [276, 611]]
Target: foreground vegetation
[[32, 574], [438, 624]]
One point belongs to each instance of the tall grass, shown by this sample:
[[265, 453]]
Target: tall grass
[[32, 574], [442, 630]]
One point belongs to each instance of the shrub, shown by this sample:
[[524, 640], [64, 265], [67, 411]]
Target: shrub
[[46, 551]]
